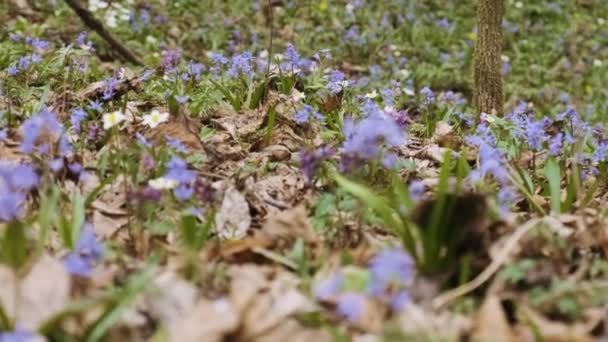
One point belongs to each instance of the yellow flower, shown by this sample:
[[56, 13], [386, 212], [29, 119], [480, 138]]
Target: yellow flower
[[112, 119]]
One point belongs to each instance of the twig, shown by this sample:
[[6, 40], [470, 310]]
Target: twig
[[501, 258], [89, 20]]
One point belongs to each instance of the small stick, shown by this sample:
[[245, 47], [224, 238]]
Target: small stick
[[94, 24]]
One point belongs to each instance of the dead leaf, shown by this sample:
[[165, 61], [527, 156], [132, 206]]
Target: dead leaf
[[170, 298], [290, 224], [266, 307], [233, 218], [555, 331], [41, 294], [443, 325], [209, 321], [491, 323], [106, 226]]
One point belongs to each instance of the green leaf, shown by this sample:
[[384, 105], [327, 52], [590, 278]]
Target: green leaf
[[14, 244], [552, 172], [272, 113], [372, 200], [206, 133], [78, 217], [258, 95]]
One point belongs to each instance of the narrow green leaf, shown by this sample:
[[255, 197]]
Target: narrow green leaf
[[270, 123], [552, 172]]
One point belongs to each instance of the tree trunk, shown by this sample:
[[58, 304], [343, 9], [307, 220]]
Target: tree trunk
[[488, 95]]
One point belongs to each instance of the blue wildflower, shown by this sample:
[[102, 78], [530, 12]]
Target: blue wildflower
[[76, 118], [351, 305], [176, 144], [306, 112], [95, 105], [178, 171], [88, 250], [555, 144], [19, 335], [336, 82], [329, 287], [389, 268]]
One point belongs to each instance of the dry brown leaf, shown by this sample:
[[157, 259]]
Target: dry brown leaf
[[111, 199], [106, 226], [442, 325], [42, 293], [290, 224], [170, 298], [267, 306], [553, 331], [209, 321], [233, 218], [491, 323]]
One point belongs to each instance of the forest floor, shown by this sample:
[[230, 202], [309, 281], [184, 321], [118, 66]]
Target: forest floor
[[301, 170]]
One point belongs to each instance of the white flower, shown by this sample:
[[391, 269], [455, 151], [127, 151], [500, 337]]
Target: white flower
[[162, 183], [597, 63], [95, 5], [112, 119], [155, 118], [408, 91], [372, 95], [519, 4], [601, 21], [297, 95]]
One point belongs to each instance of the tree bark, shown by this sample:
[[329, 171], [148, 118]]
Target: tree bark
[[89, 19], [488, 94]]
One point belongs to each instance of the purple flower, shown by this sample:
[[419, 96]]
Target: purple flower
[[39, 44], [304, 114], [195, 70], [429, 96], [364, 139], [82, 36], [336, 82], [176, 144], [65, 146], [417, 189], [14, 37], [310, 160], [142, 140], [146, 75], [330, 287], [12, 70], [183, 192], [351, 305], [170, 59], [109, 87], [506, 198], [178, 171], [182, 99], [88, 250], [388, 268], [56, 164], [95, 105], [3, 134], [555, 144], [241, 65], [15, 181], [44, 122], [77, 116], [399, 301], [19, 335], [534, 134]]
